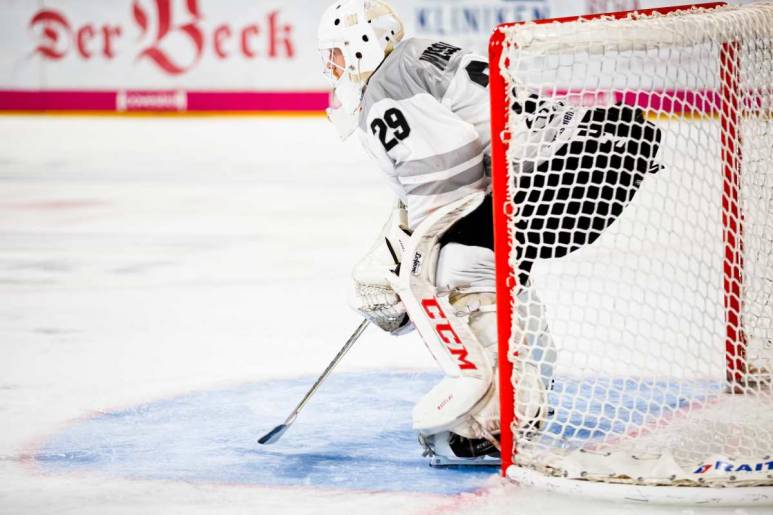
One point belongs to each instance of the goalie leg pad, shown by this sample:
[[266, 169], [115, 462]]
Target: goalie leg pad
[[534, 353], [532, 377], [448, 404], [445, 332], [449, 296], [476, 413]]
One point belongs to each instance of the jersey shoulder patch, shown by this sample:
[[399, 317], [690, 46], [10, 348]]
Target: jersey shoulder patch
[[439, 54]]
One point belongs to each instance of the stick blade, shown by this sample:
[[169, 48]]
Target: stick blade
[[273, 435]]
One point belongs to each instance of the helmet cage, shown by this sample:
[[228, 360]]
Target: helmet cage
[[365, 31]]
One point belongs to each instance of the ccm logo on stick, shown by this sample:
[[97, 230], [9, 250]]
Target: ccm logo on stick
[[447, 334]]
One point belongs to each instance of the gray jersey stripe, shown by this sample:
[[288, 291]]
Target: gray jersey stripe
[[444, 161], [460, 180]]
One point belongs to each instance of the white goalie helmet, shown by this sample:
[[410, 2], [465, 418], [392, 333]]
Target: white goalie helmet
[[354, 38]]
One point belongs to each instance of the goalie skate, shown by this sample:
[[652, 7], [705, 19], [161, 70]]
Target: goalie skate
[[451, 450]]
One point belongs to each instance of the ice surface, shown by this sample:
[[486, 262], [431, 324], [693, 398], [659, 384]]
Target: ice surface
[[169, 263], [209, 436]]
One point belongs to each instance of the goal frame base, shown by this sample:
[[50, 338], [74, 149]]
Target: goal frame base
[[673, 495]]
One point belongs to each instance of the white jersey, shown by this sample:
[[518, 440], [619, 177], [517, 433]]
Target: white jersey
[[425, 119]]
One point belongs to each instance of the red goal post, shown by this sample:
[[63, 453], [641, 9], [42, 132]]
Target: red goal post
[[503, 208]]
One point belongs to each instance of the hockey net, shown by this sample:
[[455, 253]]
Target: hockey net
[[662, 316]]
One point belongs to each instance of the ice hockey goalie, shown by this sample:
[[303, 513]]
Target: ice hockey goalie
[[421, 110]]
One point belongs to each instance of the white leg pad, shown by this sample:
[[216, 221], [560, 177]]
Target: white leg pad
[[450, 299], [446, 333], [534, 370], [447, 404]]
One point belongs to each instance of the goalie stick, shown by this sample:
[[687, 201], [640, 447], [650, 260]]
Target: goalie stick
[[276, 433]]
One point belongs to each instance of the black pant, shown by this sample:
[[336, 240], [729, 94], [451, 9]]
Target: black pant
[[568, 201]]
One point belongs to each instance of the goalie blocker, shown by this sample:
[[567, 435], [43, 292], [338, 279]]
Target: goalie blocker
[[445, 283]]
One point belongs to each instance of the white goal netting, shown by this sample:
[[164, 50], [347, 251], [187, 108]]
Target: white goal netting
[[639, 209]]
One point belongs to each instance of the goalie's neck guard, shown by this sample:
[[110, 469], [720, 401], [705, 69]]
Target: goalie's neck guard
[[344, 112]]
